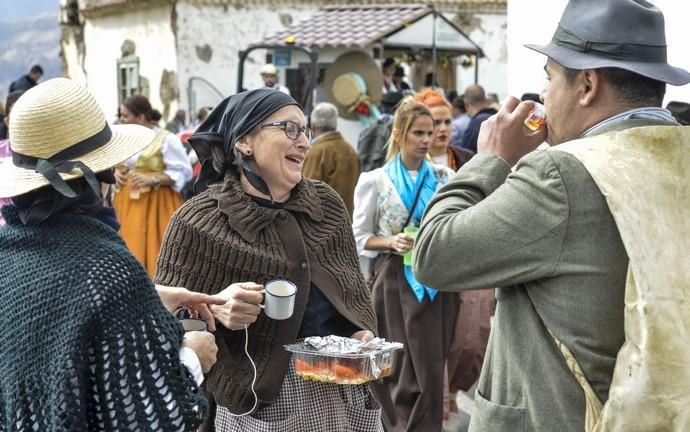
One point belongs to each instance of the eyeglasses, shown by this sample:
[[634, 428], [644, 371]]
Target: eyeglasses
[[291, 129]]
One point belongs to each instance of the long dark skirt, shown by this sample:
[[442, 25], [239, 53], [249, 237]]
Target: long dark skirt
[[412, 398], [471, 335]]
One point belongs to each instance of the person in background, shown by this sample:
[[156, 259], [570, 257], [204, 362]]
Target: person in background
[[387, 200], [3, 128], [371, 145], [387, 70], [680, 111], [331, 159], [429, 82], [440, 151], [479, 108], [149, 184], [201, 115], [460, 121], [399, 80], [5, 151], [101, 351], [269, 75], [177, 123], [494, 101], [27, 81], [256, 218]]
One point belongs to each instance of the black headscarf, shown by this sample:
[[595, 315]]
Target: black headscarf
[[232, 119]]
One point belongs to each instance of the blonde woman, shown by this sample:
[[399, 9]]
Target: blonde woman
[[388, 199]]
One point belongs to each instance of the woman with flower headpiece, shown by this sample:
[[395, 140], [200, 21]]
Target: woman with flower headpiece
[[255, 219], [388, 200]]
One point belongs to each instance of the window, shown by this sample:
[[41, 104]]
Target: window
[[127, 77]]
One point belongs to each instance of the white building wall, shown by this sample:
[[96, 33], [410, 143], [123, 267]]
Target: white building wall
[[489, 33], [72, 58], [226, 31], [150, 29], [525, 67]]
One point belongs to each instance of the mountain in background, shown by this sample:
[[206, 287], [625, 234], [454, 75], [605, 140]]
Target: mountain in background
[[26, 43]]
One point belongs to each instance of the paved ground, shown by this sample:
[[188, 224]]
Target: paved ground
[[460, 422]]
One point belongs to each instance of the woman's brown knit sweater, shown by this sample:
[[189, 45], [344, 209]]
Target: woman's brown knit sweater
[[222, 236]]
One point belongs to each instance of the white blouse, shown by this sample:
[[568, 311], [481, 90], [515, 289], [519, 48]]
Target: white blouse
[[379, 210], [177, 165]]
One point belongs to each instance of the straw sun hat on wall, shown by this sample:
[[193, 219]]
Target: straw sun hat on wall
[[344, 79], [58, 132]]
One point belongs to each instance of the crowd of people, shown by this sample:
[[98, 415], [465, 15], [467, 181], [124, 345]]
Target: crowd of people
[[544, 268]]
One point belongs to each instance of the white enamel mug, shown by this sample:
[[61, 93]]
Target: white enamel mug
[[279, 299]]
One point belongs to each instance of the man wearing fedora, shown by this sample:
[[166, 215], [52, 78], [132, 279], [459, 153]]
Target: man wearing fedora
[[555, 243]]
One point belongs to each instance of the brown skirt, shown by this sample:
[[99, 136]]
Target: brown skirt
[[412, 398], [470, 338]]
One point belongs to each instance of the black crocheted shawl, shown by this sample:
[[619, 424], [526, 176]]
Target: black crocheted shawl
[[86, 344]]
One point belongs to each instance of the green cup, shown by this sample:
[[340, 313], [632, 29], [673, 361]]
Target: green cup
[[411, 231]]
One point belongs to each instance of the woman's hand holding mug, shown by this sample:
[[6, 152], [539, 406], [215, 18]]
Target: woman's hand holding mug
[[241, 307]]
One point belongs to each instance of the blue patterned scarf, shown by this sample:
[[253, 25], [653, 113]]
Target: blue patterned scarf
[[407, 189]]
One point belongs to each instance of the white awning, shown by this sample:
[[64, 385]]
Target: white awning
[[420, 35]]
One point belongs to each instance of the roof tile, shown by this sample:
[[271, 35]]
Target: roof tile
[[359, 26]]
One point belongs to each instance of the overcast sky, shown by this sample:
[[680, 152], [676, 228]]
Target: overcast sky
[[17, 10]]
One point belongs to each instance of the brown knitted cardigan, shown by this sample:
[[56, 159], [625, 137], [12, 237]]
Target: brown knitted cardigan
[[222, 236]]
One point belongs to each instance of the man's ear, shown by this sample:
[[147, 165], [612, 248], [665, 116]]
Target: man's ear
[[591, 83]]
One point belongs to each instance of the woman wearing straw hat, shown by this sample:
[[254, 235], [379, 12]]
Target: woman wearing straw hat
[[255, 219], [388, 200], [149, 184], [86, 343]]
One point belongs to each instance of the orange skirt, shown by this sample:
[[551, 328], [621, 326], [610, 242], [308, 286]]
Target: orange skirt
[[143, 221]]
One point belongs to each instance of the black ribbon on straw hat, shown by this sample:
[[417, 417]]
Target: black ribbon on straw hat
[[63, 162]]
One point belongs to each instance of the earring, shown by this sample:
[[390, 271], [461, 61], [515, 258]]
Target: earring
[[248, 153]]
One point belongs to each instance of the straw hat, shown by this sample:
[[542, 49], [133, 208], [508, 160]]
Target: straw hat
[[342, 88], [57, 128], [269, 69]]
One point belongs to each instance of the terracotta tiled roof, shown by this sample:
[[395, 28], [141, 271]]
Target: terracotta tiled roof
[[349, 26], [450, 5]]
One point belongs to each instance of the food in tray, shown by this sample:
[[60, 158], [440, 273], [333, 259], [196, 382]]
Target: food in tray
[[339, 360]]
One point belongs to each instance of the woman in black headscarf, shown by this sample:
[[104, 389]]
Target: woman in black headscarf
[[256, 219]]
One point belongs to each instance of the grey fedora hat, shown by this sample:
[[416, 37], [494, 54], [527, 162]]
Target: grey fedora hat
[[625, 34]]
